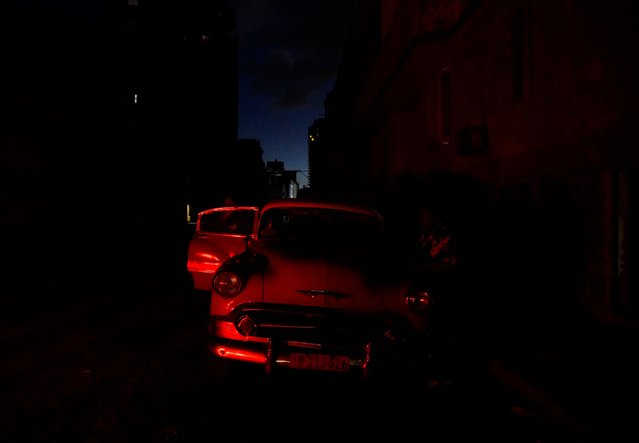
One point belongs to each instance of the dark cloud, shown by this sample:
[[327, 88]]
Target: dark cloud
[[288, 77], [290, 48]]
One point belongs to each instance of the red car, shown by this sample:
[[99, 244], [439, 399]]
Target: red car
[[316, 286]]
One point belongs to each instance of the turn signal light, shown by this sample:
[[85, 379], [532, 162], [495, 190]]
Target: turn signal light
[[246, 325]]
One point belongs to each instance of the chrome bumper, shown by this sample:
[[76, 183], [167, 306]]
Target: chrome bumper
[[268, 358]]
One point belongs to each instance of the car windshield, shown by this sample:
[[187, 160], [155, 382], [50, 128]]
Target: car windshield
[[319, 225], [228, 222]]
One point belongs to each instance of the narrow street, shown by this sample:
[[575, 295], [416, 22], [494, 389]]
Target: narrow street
[[133, 368], [106, 354]]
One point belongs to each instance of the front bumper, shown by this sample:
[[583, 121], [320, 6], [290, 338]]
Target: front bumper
[[271, 355], [335, 348]]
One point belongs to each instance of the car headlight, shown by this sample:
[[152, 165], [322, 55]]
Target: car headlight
[[227, 283], [419, 299]]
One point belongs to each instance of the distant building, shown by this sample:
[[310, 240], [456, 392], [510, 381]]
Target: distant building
[[317, 175], [281, 183]]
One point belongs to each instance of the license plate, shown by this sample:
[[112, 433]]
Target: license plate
[[319, 362]]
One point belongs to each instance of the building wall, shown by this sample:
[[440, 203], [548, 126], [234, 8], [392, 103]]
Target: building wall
[[533, 100], [115, 112]]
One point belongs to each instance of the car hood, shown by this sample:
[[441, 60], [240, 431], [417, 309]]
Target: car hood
[[329, 275]]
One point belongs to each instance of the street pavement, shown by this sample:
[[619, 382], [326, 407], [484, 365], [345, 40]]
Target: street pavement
[[581, 373], [131, 370]]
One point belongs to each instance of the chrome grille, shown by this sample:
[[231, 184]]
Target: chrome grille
[[312, 325]]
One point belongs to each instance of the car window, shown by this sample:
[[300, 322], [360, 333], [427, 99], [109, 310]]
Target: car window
[[228, 222], [317, 224]]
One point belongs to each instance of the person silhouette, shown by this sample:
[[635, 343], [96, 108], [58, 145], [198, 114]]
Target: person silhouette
[[433, 240]]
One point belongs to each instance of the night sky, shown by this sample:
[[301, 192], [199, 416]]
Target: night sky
[[290, 51]]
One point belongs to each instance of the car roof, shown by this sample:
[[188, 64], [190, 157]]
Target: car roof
[[298, 203]]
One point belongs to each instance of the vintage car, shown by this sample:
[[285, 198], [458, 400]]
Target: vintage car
[[317, 287], [219, 234]]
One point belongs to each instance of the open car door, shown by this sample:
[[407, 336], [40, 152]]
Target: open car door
[[220, 233]]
